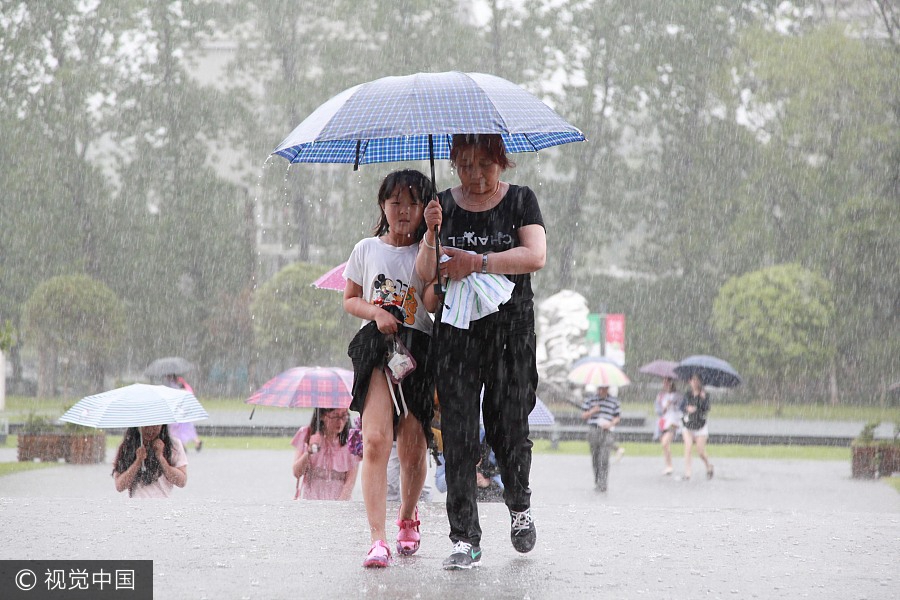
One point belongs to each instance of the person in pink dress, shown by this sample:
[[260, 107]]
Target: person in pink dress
[[150, 463], [323, 459]]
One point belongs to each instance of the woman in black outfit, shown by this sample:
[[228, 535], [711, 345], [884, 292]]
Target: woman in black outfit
[[486, 226]]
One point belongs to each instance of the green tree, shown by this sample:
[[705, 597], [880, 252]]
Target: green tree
[[296, 324], [78, 319], [777, 323]]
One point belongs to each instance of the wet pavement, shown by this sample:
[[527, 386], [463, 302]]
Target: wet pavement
[[759, 529]]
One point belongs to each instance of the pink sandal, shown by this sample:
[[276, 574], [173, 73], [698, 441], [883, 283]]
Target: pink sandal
[[379, 556], [408, 537]]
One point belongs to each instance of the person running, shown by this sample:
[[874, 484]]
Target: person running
[[385, 291]]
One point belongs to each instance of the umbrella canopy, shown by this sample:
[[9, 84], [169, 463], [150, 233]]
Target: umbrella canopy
[[660, 368], [170, 365], [598, 374], [307, 387], [713, 371], [136, 405], [333, 279], [414, 117], [540, 415]]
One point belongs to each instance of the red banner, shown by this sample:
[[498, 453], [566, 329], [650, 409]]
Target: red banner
[[615, 338]]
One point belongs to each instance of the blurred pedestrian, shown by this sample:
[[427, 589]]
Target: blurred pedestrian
[[323, 458], [149, 463], [602, 413], [186, 432], [695, 407], [491, 232], [668, 407]]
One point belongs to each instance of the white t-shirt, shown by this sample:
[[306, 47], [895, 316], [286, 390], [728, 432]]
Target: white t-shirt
[[387, 275]]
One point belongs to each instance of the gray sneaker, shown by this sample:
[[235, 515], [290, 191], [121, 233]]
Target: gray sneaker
[[464, 556], [522, 532]]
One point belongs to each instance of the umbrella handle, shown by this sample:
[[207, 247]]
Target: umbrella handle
[[438, 289]]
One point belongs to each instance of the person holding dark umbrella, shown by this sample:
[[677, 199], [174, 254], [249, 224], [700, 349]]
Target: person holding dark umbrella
[[486, 226], [695, 407]]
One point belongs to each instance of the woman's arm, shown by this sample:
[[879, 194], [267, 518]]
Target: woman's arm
[[426, 259], [528, 257], [347, 490]]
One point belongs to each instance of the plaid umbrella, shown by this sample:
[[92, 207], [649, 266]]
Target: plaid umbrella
[[307, 387], [598, 373], [540, 415], [136, 405], [414, 117], [333, 279]]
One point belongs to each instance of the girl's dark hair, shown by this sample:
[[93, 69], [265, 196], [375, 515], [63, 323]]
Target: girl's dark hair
[[491, 143], [317, 423], [420, 189], [127, 454]]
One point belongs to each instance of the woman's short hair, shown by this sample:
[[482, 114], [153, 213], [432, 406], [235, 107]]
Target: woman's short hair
[[491, 143]]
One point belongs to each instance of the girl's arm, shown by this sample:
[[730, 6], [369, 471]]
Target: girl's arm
[[356, 305], [301, 462], [126, 478], [347, 490], [429, 298], [177, 476]]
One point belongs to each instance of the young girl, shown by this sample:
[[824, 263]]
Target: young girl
[[149, 463], [323, 458], [384, 290]]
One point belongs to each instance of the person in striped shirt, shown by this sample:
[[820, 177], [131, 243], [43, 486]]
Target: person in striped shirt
[[602, 413]]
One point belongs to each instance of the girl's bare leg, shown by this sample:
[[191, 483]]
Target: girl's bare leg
[[378, 437], [412, 451], [666, 442], [688, 445], [701, 452]]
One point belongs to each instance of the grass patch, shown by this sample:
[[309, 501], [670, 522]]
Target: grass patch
[[11, 468], [18, 408], [894, 482], [715, 450]]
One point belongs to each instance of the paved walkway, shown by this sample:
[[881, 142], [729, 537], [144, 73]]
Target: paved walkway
[[760, 529]]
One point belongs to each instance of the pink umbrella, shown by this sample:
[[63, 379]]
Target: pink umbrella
[[660, 368], [307, 387], [333, 279]]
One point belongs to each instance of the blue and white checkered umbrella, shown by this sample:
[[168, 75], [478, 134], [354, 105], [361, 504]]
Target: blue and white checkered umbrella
[[136, 405], [399, 118]]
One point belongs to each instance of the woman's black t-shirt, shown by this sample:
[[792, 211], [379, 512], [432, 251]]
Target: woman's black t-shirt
[[495, 230]]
